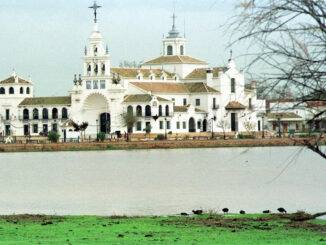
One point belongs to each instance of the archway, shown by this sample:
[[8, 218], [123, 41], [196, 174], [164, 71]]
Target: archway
[[192, 126], [96, 113], [205, 125]]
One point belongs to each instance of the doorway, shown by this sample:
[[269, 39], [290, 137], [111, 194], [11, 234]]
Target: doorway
[[192, 126], [105, 123]]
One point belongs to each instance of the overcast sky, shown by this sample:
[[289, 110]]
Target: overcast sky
[[46, 39]]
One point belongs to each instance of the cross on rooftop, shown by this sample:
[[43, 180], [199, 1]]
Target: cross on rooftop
[[95, 7]]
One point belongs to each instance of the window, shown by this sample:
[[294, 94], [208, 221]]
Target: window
[[184, 125], [173, 100], [160, 113], [35, 128], [148, 111], [184, 101], [182, 50], [45, 128], [21, 90], [199, 125], [161, 124], [95, 84], [55, 127], [7, 130], [25, 114], [139, 111], [2, 91], [88, 85], [102, 84], [130, 110], [11, 90], [197, 102], [28, 91], [45, 113], [170, 50], [178, 125], [35, 114], [214, 103], [138, 126], [26, 130], [64, 113], [232, 85], [167, 111], [7, 114], [55, 113], [168, 125]]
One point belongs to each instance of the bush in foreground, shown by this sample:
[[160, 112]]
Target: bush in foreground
[[53, 136]]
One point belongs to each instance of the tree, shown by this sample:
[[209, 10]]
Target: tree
[[287, 39], [223, 124], [80, 128], [130, 64], [128, 119], [148, 129], [250, 126], [53, 136]]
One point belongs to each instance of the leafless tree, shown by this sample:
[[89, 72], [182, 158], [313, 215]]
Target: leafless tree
[[287, 40], [223, 124], [250, 126]]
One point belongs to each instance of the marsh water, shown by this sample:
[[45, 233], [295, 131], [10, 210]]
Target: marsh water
[[162, 182]]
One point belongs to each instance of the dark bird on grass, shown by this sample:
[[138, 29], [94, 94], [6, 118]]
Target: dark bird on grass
[[242, 212], [184, 214], [266, 211], [198, 212], [281, 210], [225, 210]]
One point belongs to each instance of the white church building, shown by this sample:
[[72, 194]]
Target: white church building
[[174, 92]]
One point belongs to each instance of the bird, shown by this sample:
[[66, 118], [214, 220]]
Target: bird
[[225, 210], [242, 212], [184, 214], [198, 212], [266, 211], [281, 210]]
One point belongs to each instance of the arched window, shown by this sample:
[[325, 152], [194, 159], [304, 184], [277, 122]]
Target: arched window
[[182, 51], [55, 113], [160, 113], [199, 124], [21, 90], [95, 51], [11, 90], [25, 114], [148, 111], [45, 113], [2, 91], [139, 111], [64, 113], [130, 110], [232, 85], [35, 114], [170, 50], [28, 91], [167, 111]]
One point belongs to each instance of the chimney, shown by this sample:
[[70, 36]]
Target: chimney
[[253, 84], [209, 76]]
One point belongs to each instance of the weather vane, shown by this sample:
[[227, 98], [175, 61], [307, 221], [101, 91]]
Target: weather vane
[[95, 7]]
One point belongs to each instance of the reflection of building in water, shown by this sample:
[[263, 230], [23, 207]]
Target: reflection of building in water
[[174, 92]]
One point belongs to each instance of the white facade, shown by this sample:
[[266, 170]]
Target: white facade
[[173, 93]]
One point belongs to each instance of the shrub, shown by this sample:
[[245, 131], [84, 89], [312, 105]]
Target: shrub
[[186, 137], [53, 136], [170, 132], [101, 136], [244, 136], [160, 137], [110, 147]]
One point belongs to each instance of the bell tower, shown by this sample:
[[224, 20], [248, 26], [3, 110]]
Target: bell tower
[[174, 44], [97, 58]]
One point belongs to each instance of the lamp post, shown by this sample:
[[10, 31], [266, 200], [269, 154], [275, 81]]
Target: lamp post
[[279, 127], [166, 137], [213, 118], [96, 129], [263, 136]]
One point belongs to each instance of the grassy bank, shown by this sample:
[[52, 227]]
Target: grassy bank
[[205, 229]]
